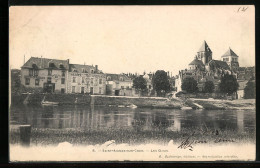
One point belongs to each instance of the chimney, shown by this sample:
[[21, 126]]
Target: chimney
[[96, 67], [41, 61]]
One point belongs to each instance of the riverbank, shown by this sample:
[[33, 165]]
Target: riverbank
[[131, 136], [219, 104], [140, 102]]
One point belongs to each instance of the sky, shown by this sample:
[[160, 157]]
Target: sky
[[122, 39]]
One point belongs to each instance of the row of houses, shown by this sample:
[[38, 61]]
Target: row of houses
[[59, 76]]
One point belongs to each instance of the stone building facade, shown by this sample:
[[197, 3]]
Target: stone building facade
[[119, 85], [47, 74], [86, 79]]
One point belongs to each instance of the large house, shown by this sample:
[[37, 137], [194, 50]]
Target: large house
[[48, 74], [118, 85], [86, 79], [59, 76], [203, 68]]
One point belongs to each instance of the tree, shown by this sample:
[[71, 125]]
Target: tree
[[161, 83], [228, 84], [249, 91], [140, 84], [15, 81], [190, 85], [209, 87]]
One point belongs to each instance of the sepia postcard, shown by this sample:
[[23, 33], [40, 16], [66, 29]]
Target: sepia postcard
[[132, 83]]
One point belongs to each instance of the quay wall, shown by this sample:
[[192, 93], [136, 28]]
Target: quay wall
[[155, 102]]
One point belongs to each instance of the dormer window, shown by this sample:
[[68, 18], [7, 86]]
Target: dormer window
[[34, 66], [74, 70], [92, 70], [121, 78], [109, 78], [51, 65], [61, 66], [83, 70]]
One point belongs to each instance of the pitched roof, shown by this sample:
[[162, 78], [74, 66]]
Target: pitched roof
[[229, 53], [116, 77], [196, 62], [81, 68], [204, 47], [219, 64], [43, 63]]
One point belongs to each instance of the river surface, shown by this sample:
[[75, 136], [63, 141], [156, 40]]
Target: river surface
[[101, 118]]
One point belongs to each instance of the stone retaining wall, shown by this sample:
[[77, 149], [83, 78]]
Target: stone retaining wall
[[138, 101]]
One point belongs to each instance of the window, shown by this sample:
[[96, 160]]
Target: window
[[100, 81], [49, 72], [37, 82], [49, 80], [108, 78], [61, 66], [83, 81], [62, 80], [73, 89], [122, 87], [63, 73], [82, 89], [36, 72], [30, 72], [62, 90], [74, 79], [100, 90], [27, 81], [92, 70]]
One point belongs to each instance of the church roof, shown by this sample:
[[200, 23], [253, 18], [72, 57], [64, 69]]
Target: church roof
[[196, 62], [229, 53], [204, 47], [219, 64]]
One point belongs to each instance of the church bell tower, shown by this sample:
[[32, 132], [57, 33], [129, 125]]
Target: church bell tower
[[204, 54], [231, 58]]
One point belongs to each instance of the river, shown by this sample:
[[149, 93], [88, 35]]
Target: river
[[101, 122]]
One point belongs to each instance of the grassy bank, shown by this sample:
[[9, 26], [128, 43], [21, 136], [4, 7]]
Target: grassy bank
[[129, 136]]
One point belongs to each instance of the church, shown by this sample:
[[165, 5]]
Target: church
[[203, 68]]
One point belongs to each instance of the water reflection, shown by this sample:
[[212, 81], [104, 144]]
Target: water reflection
[[93, 117]]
